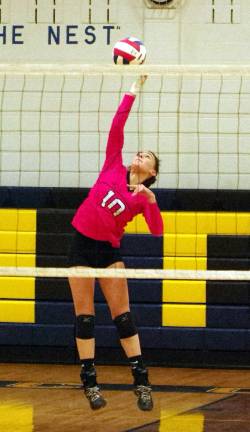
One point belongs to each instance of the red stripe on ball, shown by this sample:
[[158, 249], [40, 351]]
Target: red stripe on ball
[[123, 54], [134, 44]]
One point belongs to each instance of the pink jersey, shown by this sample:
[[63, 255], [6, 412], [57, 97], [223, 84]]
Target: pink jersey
[[109, 206]]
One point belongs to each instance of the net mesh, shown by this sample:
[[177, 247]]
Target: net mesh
[[54, 122]]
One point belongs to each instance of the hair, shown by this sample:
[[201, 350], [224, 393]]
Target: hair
[[151, 180]]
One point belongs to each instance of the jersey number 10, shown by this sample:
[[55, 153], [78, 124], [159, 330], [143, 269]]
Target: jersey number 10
[[116, 201]]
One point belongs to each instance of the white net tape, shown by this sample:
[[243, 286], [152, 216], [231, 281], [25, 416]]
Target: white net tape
[[106, 69], [126, 273]]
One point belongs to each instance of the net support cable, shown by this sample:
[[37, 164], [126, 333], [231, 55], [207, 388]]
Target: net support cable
[[243, 275]]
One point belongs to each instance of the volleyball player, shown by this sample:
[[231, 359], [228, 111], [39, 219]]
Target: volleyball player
[[118, 195]]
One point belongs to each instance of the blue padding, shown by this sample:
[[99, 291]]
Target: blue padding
[[140, 291], [150, 337], [4, 197], [182, 338], [228, 316], [228, 246], [55, 335], [130, 262], [195, 338], [53, 289], [247, 340], [107, 336], [156, 337], [144, 315], [63, 313], [52, 260], [167, 199], [36, 335], [142, 245], [225, 339], [15, 334], [54, 313], [54, 220], [27, 197], [54, 243], [228, 264], [143, 262]]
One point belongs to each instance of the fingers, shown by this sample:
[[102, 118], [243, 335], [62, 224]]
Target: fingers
[[143, 78], [136, 86], [138, 189]]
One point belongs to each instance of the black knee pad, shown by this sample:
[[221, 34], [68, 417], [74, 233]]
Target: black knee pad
[[125, 325], [85, 325]]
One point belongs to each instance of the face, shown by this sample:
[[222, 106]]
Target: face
[[144, 163]]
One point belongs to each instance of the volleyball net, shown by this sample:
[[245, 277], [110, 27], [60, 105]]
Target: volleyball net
[[54, 123]]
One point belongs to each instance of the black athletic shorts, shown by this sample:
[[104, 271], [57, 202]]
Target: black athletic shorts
[[87, 252]]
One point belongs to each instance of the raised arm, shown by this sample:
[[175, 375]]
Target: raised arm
[[116, 133]]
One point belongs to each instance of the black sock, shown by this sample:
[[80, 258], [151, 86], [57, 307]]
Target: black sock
[[87, 364], [139, 370], [88, 373], [136, 362]]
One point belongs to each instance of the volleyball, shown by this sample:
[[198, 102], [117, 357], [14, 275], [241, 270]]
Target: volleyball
[[129, 51]]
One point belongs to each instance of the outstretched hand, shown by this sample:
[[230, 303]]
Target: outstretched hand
[[141, 189], [142, 79], [136, 86]]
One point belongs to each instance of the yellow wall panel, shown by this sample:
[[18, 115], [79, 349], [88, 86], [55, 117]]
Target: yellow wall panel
[[201, 245], [17, 220], [130, 227], [185, 222], [191, 245], [184, 263], [8, 260], [26, 220], [243, 223], [169, 221], [22, 242], [20, 260], [8, 241], [183, 315], [169, 245], [8, 219], [17, 311], [206, 223], [17, 287], [26, 260], [26, 242], [226, 223], [137, 226], [185, 245], [184, 291]]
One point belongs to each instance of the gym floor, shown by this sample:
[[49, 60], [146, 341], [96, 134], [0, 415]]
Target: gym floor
[[35, 398]]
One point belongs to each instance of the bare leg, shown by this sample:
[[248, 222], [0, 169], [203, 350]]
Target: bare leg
[[115, 291], [82, 290], [83, 297], [116, 294]]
